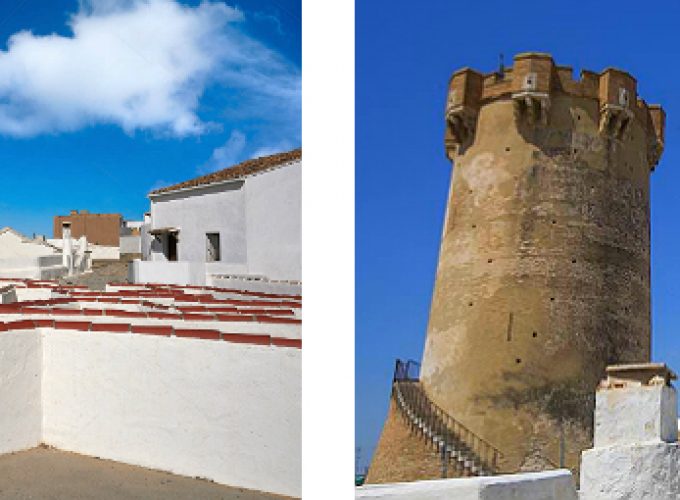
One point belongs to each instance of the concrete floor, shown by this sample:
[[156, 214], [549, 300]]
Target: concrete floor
[[43, 473]]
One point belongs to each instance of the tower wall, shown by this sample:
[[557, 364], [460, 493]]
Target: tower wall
[[543, 275]]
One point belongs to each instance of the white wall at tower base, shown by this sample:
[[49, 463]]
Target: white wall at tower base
[[632, 415], [645, 471], [548, 485]]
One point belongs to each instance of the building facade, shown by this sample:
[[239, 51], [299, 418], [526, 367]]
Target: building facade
[[99, 229], [240, 222], [544, 266], [36, 258]]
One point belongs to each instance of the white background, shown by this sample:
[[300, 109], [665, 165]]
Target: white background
[[328, 249]]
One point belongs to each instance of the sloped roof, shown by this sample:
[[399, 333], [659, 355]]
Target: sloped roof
[[26, 239], [244, 169]]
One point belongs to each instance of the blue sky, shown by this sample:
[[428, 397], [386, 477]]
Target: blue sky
[[103, 100], [404, 57]]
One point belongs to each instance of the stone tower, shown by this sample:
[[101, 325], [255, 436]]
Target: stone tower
[[544, 274]]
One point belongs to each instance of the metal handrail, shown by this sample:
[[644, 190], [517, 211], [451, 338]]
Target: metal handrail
[[444, 430]]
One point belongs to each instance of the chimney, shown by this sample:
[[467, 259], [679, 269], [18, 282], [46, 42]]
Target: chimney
[[67, 248]]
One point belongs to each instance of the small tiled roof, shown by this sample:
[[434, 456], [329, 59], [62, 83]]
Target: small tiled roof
[[248, 167]]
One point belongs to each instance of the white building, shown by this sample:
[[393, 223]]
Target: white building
[[23, 257], [130, 237], [241, 224]]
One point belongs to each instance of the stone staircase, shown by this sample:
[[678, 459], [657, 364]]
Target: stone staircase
[[458, 447]]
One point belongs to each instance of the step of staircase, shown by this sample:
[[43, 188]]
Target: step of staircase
[[459, 453]]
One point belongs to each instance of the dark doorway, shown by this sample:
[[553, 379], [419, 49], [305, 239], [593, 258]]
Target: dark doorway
[[172, 247]]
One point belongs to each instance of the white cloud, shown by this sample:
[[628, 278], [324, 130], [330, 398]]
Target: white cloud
[[262, 16], [139, 64], [273, 149], [228, 154], [238, 148]]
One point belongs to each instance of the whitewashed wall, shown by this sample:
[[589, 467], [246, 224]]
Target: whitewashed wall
[[12, 245], [20, 393], [8, 294], [130, 244], [39, 267], [199, 211], [253, 284], [28, 259], [180, 273], [226, 412], [274, 222], [548, 485], [259, 221], [99, 252]]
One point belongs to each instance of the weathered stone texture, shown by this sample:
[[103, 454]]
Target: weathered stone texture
[[543, 274], [401, 455]]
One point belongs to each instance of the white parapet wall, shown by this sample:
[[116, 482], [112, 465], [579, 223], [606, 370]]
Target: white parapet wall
[[33, 267], [548, 485], [254, 283], [179, 272], [98, 252], [20, 390], [225, 411]]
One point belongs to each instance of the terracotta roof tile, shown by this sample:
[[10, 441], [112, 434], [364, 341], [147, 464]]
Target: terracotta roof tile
[[248, 167]]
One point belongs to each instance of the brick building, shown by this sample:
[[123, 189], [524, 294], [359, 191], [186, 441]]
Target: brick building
[[99, 229]]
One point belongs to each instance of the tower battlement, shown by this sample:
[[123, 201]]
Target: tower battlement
[[533, 83]]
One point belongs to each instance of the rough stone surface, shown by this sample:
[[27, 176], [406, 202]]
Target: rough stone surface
[[636, 415], [551, 485], [401, 455], [635, 472], [543, 273], [103, 272]]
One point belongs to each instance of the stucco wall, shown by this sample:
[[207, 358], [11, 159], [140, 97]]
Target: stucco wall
[[99, 252], [253, 284], [180, 273], [549, 485], [12, 246], [259, 222], [274, 223], [196, 212], [131, 244], [227, 412], [8, 294], [20, 392], [41, 267]]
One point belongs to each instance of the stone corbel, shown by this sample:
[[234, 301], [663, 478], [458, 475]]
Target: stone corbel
[[654, 151], [615, 121], [531, 108], [462, 122]]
